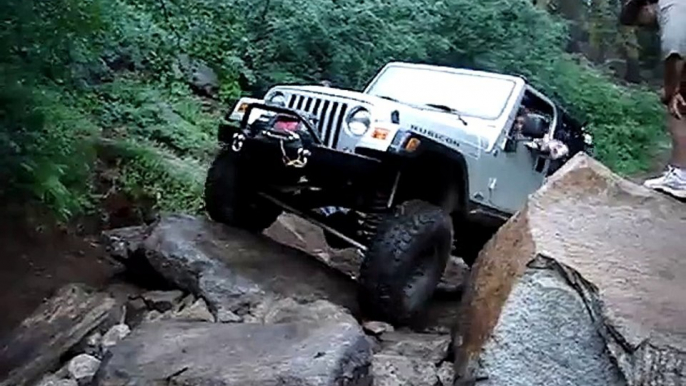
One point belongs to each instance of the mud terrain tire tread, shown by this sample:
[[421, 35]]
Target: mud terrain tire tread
[[230, 200], [393, 255]]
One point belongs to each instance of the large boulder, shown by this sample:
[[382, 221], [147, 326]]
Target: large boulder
[[235, 271], [583, 287], [39, 342], [201, 77], [326, 353]]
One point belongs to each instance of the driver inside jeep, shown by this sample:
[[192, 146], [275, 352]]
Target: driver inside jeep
[[532, 128]]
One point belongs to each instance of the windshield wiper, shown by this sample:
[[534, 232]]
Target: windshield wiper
[[447, 109]]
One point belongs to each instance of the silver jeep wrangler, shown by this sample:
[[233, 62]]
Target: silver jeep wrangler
[[426, 162]]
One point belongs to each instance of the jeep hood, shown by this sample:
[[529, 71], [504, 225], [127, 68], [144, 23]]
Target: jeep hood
[[476, 136]]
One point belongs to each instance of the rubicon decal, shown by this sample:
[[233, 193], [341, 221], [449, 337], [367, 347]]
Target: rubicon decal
[[437, 136]]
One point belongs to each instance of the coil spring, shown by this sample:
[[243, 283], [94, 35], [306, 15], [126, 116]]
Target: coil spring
[[370, 219]]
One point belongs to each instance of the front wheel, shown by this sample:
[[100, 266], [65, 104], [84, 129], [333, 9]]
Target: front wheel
[[404, 262], [231, 199]]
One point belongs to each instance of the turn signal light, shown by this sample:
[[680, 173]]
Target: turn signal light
[[380, 133]]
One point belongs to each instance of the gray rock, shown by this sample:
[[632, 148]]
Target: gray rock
[[288, 310], [377, 328], [93, 344], [60, 323], [90, 345], [162, 301], [446, 373], [198, 75], [123, 243], [227, 316], [427, 347], [82, 368], [559, 332], [204, 354], [395, 370], [135, 311], [454, 276], [224, 266], [114, 335], [52, 380], [197, 310], [154, 316], [586, 282]]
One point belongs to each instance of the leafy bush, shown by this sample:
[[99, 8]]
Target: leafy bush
[[147, 173]]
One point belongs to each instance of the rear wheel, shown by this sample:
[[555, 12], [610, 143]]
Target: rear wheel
[[231, 197], [404, 262]]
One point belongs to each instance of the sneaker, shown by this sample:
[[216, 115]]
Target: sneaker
[[654, 182], [671, 182]]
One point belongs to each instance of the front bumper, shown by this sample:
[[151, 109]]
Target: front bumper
[[304, 154]]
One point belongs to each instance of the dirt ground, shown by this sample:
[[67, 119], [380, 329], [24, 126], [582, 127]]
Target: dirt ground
[[39, 257]]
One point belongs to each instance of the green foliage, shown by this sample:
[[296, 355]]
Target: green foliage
[[74, 71], [171, 119], [45, 147], [147, 173]]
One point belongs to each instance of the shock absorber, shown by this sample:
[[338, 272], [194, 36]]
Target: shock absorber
[[370, 219], [380, 203]]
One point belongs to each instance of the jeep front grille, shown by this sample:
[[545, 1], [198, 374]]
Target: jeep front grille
[[330, 115]]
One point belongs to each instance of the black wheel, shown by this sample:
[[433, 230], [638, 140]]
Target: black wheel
[[404, 262], [230, 197]]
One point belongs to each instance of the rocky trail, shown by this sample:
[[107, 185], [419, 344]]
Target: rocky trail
[[582, 287], [279, 313]]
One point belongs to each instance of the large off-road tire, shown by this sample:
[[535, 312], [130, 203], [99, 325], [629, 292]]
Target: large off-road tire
[[404, 262], [231, 199]]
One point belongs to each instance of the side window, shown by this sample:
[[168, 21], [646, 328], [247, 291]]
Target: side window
[[534, 117]]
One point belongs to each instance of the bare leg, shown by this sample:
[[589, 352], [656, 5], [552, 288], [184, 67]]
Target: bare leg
[[673, 180], [677, 130]]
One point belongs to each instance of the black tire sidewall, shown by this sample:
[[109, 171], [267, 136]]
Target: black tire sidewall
[[395, 253], [230, 197]]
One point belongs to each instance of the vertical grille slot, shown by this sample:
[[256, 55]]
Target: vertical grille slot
[[322, 119], [308, 104], [339, 124], [330, 123], [299, 106], [330, 115]]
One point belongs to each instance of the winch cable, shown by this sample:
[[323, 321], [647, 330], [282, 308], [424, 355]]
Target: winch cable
[[297, 163]]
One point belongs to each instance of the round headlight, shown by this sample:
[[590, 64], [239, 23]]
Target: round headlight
[[359, 121], [276, 99]]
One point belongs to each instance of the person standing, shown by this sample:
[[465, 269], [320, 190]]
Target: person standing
[[669, 16]]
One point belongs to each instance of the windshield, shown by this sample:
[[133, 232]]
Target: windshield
[[469, 94]]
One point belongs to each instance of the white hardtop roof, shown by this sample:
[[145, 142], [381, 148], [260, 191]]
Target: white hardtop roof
[[457, 70]]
